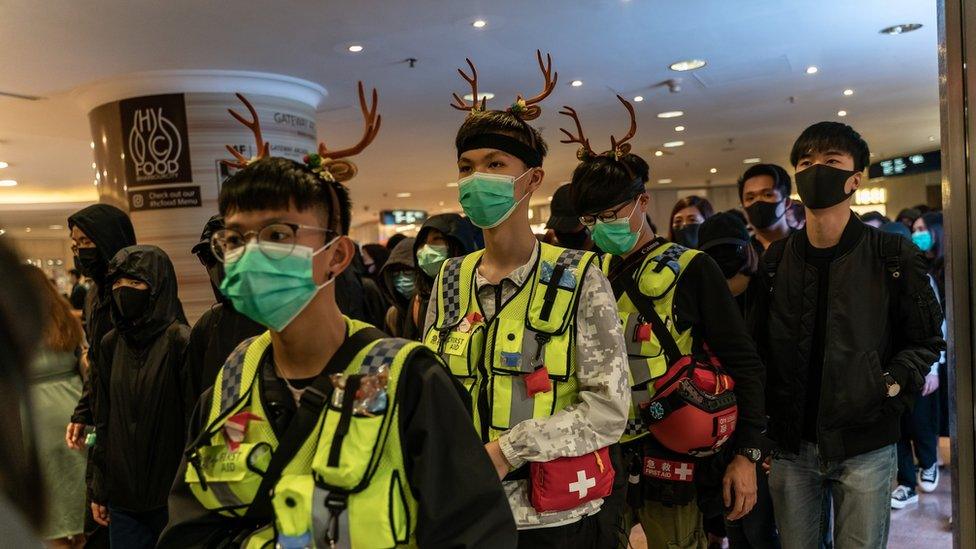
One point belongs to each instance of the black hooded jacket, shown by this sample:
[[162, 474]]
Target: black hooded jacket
[[140, 421], [111, 230], [398, 323], [462, 237]]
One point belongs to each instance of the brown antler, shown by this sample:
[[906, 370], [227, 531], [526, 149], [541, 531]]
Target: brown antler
[[584, 143], [526, 109], [254, 125], [473, 81], [372, 122], [621, 148]]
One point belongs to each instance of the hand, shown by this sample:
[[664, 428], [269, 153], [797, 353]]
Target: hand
[[767, 464], [740, 476], [498, 459], [100, 512], [74, 436], [931, 384]]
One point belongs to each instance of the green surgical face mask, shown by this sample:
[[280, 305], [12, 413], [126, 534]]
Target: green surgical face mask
[[430, 257], [404, 284], [615, 237], [489, 199], [271, 292]]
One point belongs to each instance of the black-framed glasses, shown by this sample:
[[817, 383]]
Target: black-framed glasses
[[228, 245], [590, 220]]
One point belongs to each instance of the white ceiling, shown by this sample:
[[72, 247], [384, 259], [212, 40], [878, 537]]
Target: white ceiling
[[737, 107]]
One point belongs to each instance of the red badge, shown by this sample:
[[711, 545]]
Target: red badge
[[537, 382], [236, 427], [665, 469]]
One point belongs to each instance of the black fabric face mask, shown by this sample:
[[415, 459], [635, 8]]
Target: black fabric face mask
[[574, 241], [89, 262], [687, 235], [729, 258], [821, 186], [132, 303], [763, 214]]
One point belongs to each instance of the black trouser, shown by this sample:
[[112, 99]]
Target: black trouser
[[919, 430], [757, 530], [581, 534], [610, 532]]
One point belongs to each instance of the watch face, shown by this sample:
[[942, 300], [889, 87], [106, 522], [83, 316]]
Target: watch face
[[893, 390]]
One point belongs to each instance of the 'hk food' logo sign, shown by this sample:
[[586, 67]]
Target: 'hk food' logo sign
[[155, 140]]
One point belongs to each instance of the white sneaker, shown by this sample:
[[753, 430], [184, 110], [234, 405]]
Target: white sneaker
[[928, 479], [902, 497]]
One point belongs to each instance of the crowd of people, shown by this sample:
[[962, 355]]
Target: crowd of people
[[749, 375]]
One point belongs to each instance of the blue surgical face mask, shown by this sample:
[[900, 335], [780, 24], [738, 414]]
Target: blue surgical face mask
[[488, 199], [922, 239], [271, 292], [404, 284]]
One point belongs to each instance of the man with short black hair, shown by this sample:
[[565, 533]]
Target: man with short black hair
[[764, 190], [852, 325]]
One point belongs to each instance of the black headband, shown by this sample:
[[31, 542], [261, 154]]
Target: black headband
[[503, 143]]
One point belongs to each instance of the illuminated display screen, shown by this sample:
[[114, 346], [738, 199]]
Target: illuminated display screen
[[906, 165]]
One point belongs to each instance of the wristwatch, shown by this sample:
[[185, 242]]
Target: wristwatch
[[752, 454], [892, 388]]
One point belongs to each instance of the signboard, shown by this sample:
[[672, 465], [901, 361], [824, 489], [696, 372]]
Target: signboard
[[155, 140], [402, 217], [906, 165], [164, 198]]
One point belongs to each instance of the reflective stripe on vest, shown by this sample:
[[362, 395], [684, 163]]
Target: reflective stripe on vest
[[535, 328], [658, 277]]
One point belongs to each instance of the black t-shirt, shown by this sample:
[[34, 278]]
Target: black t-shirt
[[820, 259]]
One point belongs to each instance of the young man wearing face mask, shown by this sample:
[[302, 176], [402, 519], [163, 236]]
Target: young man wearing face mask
[[669, 490], [399, 282], [322, 432], [851, 327], [764, 190], [531, 331], [140, 416], [221, 328], [441, 237]]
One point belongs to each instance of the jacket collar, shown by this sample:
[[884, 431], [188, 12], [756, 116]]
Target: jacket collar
[[852, 234]]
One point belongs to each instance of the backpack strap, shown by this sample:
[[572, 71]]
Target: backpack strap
[[772, 258], [645, 306], [891, 254]]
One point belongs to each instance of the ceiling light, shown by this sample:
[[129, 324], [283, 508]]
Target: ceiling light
[[441, 203], [663, 181], [94, 166], [688, 65], [549, 198], [484, 95], [848, 91], [812, 70], [8, 183], [670, 114], [404, 195], [679, 128], [3, 165], [841, 113], [92, 144], [479, 24], [576, 83], [355, 48], [752, 160], [901, 29], [658, 153], [671, 144], [713, 170], [3, 232], [638, 98], [931, 138], [27, 229], [56, 227], [452, 184]]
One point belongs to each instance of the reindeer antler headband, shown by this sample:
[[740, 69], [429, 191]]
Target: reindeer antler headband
[[524, 109], [331, 166], [618, 149]]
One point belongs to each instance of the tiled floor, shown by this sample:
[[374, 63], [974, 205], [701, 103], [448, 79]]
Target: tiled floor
[[923, 525]]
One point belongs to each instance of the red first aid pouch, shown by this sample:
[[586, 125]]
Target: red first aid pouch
[[568, 482]]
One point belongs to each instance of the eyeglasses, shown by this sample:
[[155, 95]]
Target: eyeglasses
[[225, 242], [590, 220]]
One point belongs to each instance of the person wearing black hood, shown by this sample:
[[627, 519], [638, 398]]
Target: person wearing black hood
[[441, 237], [398, 279], [220, 330], [565, 224], [140, 418]]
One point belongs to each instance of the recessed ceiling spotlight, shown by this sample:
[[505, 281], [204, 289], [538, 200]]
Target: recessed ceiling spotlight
[[355, 48], [27, 229], [812, 70], [670, 114], [92, 144], [901, 29], [848, 91], [671, 144], [576, 83], [8, 183], [688, 65], [752, 160], [441, 203], [713, 170], [638, 98], [664, 181], [404, 195], [679, 128], [94, 166], [841, 113], [56, 227], [479, 24], [549, 198], [3, 232], [658, 153], [3, 165], [483, 95]]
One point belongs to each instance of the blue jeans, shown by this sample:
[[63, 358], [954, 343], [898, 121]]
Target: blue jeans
[[130, 530], [860, 488]]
